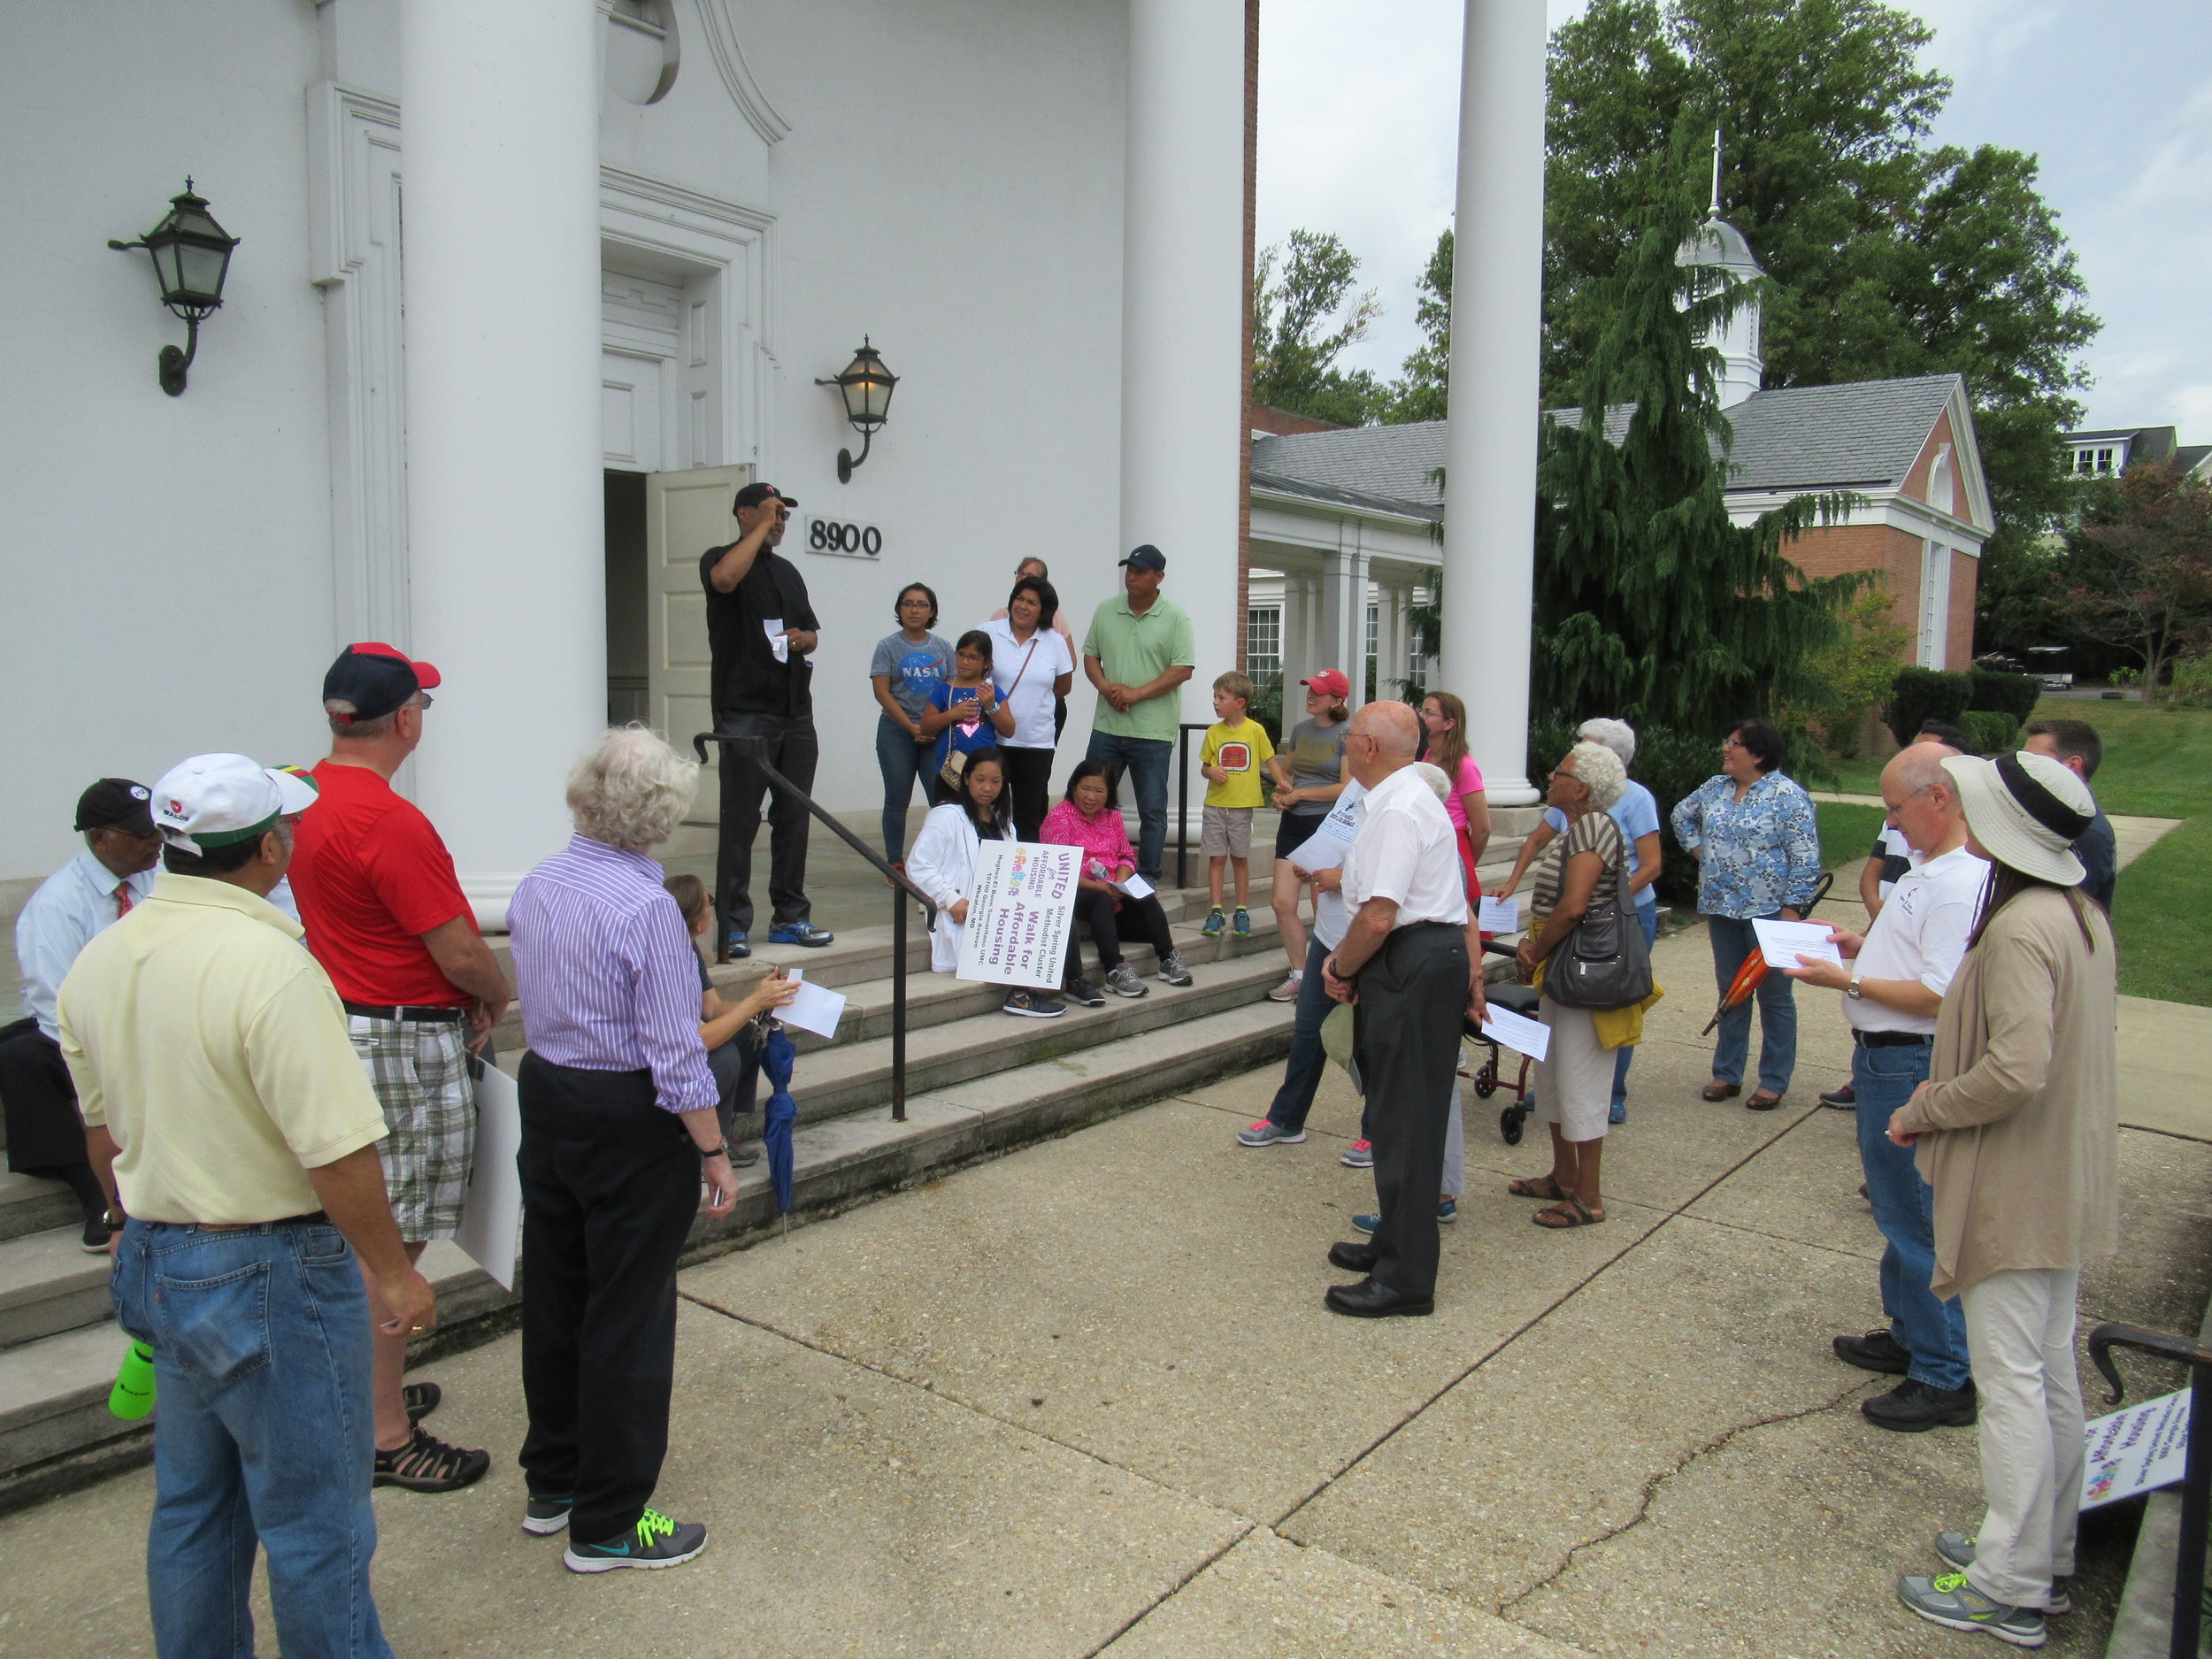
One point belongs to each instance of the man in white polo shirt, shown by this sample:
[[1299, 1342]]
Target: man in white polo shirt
[[1411, 958], [1894, 978]]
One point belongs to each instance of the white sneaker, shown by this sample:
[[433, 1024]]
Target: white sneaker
[[1175, 970], [1287, 991]]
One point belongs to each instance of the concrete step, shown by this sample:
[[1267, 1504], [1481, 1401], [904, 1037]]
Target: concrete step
[[28, 1204], [49, 1283]]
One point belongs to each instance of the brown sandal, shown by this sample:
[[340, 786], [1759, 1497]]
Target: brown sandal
[[1762, 1102], [1526, 1187], [1718, 1090], [1573, 1213]]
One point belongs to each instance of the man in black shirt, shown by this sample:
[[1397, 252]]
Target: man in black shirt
[[2076, 745], [762, 629]]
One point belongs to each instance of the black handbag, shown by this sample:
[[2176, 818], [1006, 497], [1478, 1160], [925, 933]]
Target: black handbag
[[1604, 963]]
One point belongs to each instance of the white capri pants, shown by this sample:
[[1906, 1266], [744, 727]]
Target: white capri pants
[[2020, 1337], [1574, 1082]]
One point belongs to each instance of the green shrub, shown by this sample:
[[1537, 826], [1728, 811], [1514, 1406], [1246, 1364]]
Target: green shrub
[[1920, 695], [2191, 687], [1994, 733], [2004, 694], [1266, 706]]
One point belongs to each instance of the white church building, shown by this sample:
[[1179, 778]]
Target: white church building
[[522, 289]]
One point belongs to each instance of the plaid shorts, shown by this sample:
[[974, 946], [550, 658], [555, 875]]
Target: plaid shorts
[[419, 1071]]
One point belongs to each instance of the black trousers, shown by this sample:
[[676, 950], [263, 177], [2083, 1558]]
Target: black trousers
[[790, 745], [1413, 995], [45, 1135], [1028, 786], [1140, 916], [610, 1186]]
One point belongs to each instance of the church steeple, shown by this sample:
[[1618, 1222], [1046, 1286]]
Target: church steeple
[[1718, 251]]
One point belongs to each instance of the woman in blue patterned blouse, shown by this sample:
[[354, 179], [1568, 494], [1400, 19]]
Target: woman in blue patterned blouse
[[1751, 831]]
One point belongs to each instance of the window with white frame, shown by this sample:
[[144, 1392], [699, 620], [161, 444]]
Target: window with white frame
[[1374, 631], [1263, 640], [2095, 460], [1935, 605]]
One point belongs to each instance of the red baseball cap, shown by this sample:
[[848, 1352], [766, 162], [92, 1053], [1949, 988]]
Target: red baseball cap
[[1331, 681], [371, 678]]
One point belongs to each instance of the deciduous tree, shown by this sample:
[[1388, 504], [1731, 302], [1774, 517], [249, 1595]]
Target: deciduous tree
[[1301, 324], [2138, 571]]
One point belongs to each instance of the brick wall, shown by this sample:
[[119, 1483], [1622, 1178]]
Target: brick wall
[[1965, 583]]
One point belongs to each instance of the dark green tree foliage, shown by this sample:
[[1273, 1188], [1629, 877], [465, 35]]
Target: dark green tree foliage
[[1926, 693], [1420, 394], [1650, 604], [1887, 258], [1298, 332]]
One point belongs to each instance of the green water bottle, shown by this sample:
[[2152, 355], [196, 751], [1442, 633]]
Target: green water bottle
[[133, 1395]]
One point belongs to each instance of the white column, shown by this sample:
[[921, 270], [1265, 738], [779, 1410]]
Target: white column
[[499, 99], [1298, 659], [1490, 453], [1182, 313], [1344, 617]]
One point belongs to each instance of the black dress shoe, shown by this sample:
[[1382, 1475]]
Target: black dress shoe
[[1367, 1299], [1877, 1351], [1913, 1406], [1353, 1258]]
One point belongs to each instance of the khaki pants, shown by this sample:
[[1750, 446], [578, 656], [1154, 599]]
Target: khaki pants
[[2020, 1333]]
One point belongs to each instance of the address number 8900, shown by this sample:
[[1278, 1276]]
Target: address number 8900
[[855, 540]]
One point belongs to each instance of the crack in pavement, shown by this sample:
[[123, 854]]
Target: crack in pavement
[[1655, 1482]]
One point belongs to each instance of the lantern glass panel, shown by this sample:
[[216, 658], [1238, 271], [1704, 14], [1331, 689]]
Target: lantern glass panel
[[201, 269], [874, 394]]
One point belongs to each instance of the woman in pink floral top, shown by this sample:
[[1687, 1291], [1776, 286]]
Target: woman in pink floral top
[[1089, 820]]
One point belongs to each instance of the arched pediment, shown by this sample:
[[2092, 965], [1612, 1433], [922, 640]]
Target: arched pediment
[[720, 28]]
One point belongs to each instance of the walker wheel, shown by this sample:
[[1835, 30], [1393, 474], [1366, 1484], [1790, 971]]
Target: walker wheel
[[1486, 1085], [1509, 1124]]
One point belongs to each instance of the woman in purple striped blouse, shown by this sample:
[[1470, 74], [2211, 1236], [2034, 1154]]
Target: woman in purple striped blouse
[[618, 1125]]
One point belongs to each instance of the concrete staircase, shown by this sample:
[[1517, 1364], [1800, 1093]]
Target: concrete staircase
[[978, 1083]]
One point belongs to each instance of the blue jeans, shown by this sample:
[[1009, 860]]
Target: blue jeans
[[1302, 1075], [267, 1435], [903, 763], [1146, 760], [1904, 1210], [1732, 941]]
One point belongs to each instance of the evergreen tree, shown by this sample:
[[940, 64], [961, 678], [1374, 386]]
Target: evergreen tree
[[1650, 604]]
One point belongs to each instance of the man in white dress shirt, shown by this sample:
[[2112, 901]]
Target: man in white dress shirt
[[98, 887], [1411, 958], [1893, 978]]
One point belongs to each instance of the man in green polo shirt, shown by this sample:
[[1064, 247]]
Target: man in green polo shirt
[[1138, 653]]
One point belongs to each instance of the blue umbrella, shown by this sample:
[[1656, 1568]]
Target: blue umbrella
[[776, 1057]]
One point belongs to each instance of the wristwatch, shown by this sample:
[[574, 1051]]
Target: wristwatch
[[720, 1148], [1852, 990]]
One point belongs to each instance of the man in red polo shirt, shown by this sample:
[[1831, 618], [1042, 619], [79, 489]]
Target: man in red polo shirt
[[386, 916]]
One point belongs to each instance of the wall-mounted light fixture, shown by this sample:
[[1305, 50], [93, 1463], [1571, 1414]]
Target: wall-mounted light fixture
[[191, 255], [866, 386]]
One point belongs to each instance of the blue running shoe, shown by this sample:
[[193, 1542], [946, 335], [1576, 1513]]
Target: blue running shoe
[[1212, 929], [738, 948], [801, 933], [1241, 926], [1447, 1210]]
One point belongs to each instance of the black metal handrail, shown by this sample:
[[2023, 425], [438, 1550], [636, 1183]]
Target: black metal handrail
[[896, 877], [2196, 1480], [1182, 798]]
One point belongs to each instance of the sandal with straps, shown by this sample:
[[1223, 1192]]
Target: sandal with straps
[[422, 1399], [1579, 1215], [426, 1463], [1527, 1187]]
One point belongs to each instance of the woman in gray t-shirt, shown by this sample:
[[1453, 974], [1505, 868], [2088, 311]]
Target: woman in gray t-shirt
[[905, 666], [1308, 775]]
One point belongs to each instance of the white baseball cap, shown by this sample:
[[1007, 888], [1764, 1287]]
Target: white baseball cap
[[220, 800]]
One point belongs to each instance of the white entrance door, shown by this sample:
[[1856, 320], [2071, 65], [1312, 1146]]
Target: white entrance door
[[685, 513]]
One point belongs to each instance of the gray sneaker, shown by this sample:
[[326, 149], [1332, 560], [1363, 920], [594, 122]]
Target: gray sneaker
[[1174, 971], [1032, 1005], [1287, 991], [1956, 1550], [1955, 1604], [1123, 981], [1267, 1133]]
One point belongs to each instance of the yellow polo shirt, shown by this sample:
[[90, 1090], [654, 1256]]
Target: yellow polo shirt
[[215, 1051]]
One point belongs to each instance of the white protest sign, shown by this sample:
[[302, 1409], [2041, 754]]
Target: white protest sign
[[491, 1219], [2135, 1450], [1021, 903]]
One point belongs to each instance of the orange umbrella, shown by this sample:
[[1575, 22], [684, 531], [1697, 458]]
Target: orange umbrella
[[1753, 971]]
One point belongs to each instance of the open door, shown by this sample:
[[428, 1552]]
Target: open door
[[685, 513]]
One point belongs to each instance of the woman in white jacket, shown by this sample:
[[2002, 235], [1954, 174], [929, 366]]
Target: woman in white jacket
[[943, 864]]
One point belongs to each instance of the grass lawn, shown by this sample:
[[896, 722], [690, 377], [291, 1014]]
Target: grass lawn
[[1846, 834], [2157, 763]]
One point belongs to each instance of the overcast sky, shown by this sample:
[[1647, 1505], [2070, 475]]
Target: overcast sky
[[1359, 113]]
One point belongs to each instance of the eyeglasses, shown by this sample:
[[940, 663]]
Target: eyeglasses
[[422, 699]]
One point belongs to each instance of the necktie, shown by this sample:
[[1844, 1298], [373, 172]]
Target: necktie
[[122, 900]]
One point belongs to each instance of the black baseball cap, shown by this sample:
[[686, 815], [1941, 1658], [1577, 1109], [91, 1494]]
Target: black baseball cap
[[752, 494], [116, 803], [371, 678], [1146, 557]]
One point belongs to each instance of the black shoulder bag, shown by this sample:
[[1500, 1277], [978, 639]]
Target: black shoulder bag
[[1604, 963]]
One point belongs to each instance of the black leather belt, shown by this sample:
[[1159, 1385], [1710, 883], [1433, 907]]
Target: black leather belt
[[313, 1219], [423, 1014], [1893, 1039]]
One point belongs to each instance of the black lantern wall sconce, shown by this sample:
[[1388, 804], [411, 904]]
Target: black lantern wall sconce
[[191, 255], [866, 386]]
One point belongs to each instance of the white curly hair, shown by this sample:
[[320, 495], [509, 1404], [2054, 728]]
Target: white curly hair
[[1617, 735], [629, 789], [1601, 770]]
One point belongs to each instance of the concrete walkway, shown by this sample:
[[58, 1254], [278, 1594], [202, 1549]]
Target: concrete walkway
[[2133, 836], [1086, 1400]]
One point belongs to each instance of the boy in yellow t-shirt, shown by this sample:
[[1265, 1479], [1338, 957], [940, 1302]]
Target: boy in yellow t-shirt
[[1236, 748]]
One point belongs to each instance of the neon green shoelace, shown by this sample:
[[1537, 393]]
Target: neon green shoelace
[[651, 1523], [1947, 1583]]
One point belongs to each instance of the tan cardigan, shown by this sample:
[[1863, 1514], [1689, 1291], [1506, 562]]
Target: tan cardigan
[[2019, 1129]]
